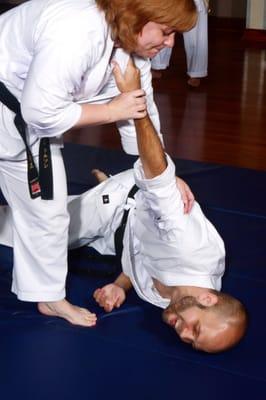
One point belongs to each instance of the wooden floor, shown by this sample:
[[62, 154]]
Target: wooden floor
[[222, 121]]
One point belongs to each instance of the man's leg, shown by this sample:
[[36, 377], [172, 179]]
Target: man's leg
[[94, 213]]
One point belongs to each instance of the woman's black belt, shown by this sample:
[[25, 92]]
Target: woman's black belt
[[40, 182]]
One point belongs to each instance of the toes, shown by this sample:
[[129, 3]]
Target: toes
[[86, 313], [90, 319], [99, 175]]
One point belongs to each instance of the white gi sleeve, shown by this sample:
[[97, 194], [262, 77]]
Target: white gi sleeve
[[127, 128], [62, 54], [162, 198]]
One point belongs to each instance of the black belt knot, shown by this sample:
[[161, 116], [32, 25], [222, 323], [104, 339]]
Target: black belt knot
[[40, 183]]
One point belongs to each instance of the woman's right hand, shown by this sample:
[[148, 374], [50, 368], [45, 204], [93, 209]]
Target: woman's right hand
[[129, 105]]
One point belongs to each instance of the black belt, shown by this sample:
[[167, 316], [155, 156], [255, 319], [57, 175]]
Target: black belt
[[40, 183], [120, 231]]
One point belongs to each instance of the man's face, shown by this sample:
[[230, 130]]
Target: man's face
[[153, 38], [198, 325]]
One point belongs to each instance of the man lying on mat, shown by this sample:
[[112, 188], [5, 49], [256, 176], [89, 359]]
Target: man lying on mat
[[174, 260]]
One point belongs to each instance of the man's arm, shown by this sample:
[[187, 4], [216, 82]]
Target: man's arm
[[154, 162], [150, 148], [127, 128]]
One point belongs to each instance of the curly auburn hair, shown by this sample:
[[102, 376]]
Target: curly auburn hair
[[127, 17]]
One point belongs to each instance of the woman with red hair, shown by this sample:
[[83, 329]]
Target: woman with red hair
[[56, 74]]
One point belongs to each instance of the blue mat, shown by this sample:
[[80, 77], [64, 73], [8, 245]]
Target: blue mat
[[131, 354]]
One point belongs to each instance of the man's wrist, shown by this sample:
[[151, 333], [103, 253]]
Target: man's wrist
[[120, 286], [123, 282]]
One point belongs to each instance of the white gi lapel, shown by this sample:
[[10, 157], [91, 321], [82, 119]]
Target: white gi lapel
[[95, 78]]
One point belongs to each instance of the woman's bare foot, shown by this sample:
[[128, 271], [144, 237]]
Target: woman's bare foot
[[99, 175], [63, 309]]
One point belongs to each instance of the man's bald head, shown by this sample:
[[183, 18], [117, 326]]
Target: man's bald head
[[211, 321]]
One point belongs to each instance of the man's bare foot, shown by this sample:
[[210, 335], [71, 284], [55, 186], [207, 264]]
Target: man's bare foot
[[63, 309], [194, 82], [99, 175]]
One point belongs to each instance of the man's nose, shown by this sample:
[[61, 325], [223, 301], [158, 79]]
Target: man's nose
[[170, 40]]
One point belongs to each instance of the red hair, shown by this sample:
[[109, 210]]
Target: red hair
[[128, 17]]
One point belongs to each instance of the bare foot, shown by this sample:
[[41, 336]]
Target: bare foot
[[63, 309], [194, 82], [99, 175]]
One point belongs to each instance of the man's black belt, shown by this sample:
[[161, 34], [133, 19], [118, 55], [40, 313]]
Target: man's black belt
[[40, 183], [120, 231]]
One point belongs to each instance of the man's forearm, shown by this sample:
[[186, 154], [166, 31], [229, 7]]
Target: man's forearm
[[151, 151], [149, 144]]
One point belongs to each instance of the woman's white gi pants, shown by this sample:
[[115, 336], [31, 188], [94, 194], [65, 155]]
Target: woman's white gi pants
[[40, 232]]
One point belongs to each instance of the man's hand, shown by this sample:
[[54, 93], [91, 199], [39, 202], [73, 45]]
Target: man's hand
[[110, 296], [186, 195], [130, 80]]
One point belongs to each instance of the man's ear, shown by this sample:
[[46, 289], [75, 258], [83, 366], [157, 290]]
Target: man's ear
[[207, 298]]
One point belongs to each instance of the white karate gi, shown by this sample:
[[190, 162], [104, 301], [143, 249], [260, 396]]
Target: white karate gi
[[160, 241], [196, 46], [54, 54]]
